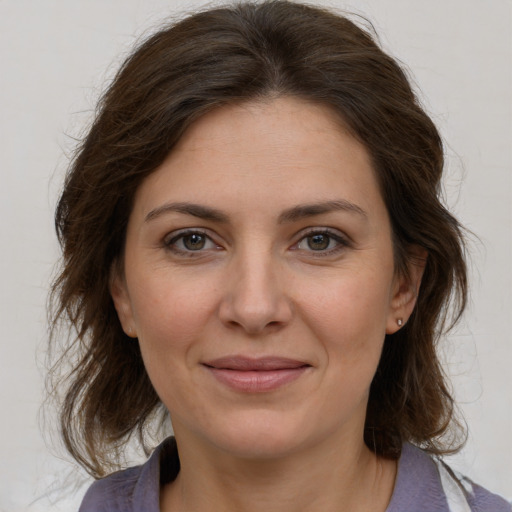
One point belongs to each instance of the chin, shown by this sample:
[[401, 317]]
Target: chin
[[261, 436]]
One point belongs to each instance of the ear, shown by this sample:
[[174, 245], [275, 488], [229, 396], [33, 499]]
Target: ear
[[122, 303], [406, 288]]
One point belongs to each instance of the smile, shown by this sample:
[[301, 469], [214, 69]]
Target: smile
[[256, 375]]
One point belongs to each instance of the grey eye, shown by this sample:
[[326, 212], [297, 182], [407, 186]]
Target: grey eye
[[190, 242], [318, 242], [321, 242], [194, 242]]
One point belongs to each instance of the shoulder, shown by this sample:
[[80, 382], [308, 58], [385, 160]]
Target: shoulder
[[424, 479], [478, 498], [112, 493], [133, 489]]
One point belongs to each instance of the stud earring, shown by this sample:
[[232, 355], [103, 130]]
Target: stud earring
[[400, 322]]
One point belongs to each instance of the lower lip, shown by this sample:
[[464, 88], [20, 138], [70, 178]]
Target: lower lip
[[257, 381]]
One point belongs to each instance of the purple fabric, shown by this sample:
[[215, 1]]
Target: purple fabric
[[418, 486]]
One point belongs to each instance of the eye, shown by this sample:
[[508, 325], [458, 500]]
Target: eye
[[189, 242], [317, 242], [322, 242]]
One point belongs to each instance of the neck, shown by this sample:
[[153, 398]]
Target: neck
[[323, 478]]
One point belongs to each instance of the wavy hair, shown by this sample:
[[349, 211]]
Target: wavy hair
[[242, 52]]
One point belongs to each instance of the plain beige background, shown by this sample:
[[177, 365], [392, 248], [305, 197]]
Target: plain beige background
[[57, 55]]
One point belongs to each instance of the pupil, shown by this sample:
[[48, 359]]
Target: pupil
[[194, 242], [318, 242]]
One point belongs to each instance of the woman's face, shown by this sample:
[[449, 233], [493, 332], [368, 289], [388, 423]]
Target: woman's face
[[259, 279]]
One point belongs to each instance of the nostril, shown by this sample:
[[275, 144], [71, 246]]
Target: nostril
[[255, 305], [255, 328]]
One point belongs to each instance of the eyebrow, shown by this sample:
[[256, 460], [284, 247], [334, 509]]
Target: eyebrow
[[291, 215], [310, 210], [196, 210]]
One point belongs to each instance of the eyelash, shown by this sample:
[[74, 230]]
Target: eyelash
[[341, 242]]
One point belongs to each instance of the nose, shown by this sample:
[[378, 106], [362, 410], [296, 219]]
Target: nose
[[255, 299]]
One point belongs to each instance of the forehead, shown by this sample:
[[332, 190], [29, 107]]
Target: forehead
[[282, 152], [270, 128]]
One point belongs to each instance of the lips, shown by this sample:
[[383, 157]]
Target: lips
[[256, 375]]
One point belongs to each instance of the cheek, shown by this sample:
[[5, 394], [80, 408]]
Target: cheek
[[349, 317], [351, 328], [170, 315], [171, 321], [349, 304]]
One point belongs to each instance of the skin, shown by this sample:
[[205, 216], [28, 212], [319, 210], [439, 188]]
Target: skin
[[266, 278]]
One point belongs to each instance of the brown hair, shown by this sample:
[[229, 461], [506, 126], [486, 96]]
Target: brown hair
[[212, 58]]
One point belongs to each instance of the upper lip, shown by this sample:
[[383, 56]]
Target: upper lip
[[242, 363]]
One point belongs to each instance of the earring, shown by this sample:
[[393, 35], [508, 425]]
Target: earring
[[400, 322]]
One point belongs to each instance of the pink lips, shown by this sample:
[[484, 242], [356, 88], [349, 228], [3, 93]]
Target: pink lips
[[256, 375]]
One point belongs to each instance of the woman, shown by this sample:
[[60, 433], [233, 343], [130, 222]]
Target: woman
[[254, 245]]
